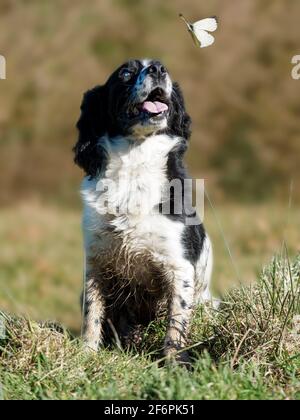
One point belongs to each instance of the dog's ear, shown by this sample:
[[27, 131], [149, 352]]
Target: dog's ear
[[180, 124], [92, 125]]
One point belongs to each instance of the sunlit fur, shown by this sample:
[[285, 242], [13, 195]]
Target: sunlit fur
[[142, 263]]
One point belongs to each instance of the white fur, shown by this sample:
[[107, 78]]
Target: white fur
[[138, 172], [146, 62], [204, 272]]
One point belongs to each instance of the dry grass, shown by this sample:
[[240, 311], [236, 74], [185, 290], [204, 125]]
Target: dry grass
[[258, 322], [249, 349]]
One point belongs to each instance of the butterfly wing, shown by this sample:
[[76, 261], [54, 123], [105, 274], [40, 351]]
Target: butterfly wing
[[202, 38], [209, 25], [195, 39], [200, 31]]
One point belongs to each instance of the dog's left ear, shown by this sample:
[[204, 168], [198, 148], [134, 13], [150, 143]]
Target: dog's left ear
[[180, 124], [92, 125]]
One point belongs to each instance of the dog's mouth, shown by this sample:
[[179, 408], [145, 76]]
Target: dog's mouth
[[155, 106]]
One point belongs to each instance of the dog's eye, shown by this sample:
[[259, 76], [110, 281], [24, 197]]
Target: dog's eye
[[125, 75]]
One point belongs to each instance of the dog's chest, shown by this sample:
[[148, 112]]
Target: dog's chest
[[121, 221], [121, 208], [136, 174]]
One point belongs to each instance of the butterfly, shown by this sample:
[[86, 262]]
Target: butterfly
[[200, 31]]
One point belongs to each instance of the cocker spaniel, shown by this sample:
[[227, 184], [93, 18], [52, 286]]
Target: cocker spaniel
[[145, 253]]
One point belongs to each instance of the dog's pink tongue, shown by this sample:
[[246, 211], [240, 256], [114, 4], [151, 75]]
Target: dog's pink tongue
[[155, 107]]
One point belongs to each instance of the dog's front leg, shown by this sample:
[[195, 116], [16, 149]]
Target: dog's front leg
[[94, 308], [180, 313]]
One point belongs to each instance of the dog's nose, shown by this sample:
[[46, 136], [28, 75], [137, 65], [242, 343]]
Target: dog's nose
[[157, 69]]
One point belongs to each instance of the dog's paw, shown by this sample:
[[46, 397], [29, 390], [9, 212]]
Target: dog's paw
[[90, 347], [175, 354]]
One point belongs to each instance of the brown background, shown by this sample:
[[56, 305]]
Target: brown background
[[244, 103]]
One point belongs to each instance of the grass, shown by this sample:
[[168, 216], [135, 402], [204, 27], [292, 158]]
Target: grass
[[249, 349]]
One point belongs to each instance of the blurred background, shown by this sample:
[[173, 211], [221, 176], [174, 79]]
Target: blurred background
[[246, 134]]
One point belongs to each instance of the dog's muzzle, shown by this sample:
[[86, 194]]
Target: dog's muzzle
[[151, 94]]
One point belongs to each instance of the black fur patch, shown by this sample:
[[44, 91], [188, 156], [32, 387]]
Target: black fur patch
[[183, 304], [91, 125], [192, 240]]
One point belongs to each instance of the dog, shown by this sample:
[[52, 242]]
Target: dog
[[140, 261]]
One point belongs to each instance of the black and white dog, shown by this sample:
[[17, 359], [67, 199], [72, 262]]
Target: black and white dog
[[133, 134]]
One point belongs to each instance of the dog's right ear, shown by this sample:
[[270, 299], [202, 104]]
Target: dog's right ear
[[92, 125]]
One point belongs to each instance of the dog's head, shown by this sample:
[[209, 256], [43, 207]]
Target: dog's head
[[138, 100]]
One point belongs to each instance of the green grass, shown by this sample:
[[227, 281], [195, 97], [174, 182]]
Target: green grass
[[249, 349]]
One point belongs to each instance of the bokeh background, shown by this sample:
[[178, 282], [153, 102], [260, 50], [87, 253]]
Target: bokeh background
[[246, 134]]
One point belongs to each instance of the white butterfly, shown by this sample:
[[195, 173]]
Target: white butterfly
[[200, 31]]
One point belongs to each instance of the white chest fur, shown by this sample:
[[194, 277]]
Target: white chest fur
[[134, 177]]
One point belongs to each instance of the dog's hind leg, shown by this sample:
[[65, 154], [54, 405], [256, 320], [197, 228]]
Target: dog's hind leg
[[203, 273]]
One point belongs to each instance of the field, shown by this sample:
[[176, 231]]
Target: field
[[244, 105], [253, 353]]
